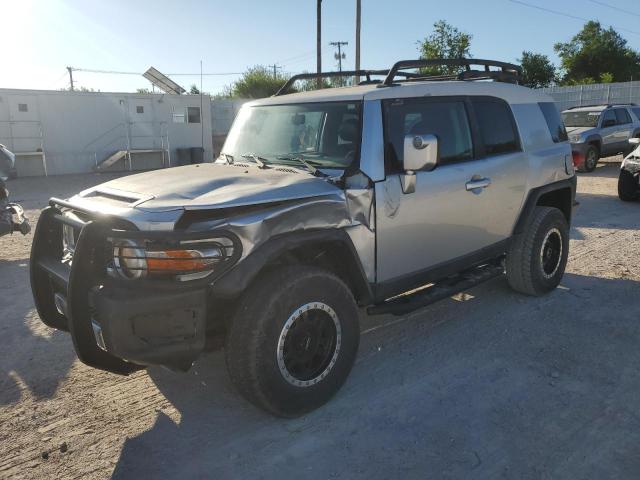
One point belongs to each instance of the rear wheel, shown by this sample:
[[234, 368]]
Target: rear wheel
[[538, 256], [627, 186], [293, 340], [591, 158]]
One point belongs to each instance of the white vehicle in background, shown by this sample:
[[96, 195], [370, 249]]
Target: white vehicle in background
[[629, 179]]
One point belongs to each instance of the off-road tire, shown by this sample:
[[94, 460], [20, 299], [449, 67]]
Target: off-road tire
[[591, 157], [627, 186], [525, 264], [257, 329]]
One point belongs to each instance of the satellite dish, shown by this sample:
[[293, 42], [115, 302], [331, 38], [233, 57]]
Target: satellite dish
[[163, 82]]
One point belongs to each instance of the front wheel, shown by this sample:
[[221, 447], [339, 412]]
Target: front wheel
[[591, 158], [538, 256], [627, 186], [293, 340]]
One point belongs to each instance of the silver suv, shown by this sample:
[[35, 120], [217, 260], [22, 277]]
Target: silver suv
[[600, 131], [387, 196]]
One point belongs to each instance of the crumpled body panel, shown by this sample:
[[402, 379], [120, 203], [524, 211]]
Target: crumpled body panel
[[255, 204]]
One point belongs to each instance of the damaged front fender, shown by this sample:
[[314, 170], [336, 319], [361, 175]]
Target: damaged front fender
[[346, 217]]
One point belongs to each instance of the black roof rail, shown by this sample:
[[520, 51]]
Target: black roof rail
[[508, 73], [345, 73], [605, 105]]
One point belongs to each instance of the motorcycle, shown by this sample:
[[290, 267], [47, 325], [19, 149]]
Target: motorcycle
[[12, 217]]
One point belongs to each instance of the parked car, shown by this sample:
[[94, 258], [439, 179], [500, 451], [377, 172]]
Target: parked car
[[597, 131], [7, 163], [386, 196], [629, 179]]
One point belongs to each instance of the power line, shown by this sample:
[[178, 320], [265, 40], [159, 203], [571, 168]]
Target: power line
[[299, 60], [295, 57], [568, 15], [117, 72], [627, 12]]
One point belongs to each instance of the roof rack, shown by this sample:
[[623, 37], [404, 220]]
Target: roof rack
[[605, 105], [508, 73], [345, 73]]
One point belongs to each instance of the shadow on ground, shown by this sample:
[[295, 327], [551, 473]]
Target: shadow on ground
[[501, 385], [27, 344]]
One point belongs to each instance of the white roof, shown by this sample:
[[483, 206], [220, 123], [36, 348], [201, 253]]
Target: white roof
[[513, 94], [593, 108]]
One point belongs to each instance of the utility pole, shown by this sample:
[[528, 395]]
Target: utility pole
[[319, 43], [358, 22], [70, 69], [275, 68], [339, 56]]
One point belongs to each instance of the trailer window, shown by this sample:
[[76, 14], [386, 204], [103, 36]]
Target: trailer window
[[193, 114]]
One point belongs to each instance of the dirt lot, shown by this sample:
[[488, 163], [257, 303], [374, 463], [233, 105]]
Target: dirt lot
[[488, 385]]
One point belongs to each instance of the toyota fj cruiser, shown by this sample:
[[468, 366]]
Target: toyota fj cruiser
[[629, 178], [387, 195]]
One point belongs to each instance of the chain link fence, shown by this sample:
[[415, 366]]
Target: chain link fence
[[596, 94]]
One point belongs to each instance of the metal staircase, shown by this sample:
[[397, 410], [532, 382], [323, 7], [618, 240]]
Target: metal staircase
[[25, 138], [132, 146]]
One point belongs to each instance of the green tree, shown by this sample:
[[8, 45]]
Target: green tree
[[606, 77], [537, 70], [446, 41], [257, 82], [595, 51], [194, 90], [142, 90]]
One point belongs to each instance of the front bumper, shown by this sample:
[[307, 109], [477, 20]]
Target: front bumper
[[115, 325]]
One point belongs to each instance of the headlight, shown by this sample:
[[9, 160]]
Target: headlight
[[576, 139], [184, 260], [129, 260]]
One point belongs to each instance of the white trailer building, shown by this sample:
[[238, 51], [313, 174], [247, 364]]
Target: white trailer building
[[61, 132]]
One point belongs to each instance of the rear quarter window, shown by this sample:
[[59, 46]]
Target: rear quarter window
[[497, 127], [554, 122]]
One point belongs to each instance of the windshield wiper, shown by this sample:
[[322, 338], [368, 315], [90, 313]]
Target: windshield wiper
[[227, 158], [314, 171], [261, 161]]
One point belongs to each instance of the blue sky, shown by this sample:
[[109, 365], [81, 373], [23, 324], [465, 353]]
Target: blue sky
[[40, 38]]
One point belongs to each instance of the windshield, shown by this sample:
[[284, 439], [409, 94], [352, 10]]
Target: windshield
[[326, 135], [581, 119]]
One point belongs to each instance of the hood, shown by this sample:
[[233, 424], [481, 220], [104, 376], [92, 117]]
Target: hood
[[211, 185], [579, 130]]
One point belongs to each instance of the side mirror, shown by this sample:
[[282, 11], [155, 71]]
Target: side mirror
[[634, 141], [608, 123], [420, 153]]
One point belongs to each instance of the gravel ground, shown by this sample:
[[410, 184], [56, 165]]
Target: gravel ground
[[489, 384]]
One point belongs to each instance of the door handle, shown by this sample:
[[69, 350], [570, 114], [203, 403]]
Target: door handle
[[477, 183]]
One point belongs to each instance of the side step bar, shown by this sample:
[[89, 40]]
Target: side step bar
[[407, 303]]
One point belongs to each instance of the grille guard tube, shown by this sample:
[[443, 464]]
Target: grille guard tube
[[79, 310], [41, 286]]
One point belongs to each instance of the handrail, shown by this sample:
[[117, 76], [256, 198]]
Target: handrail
[[103, 134]]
